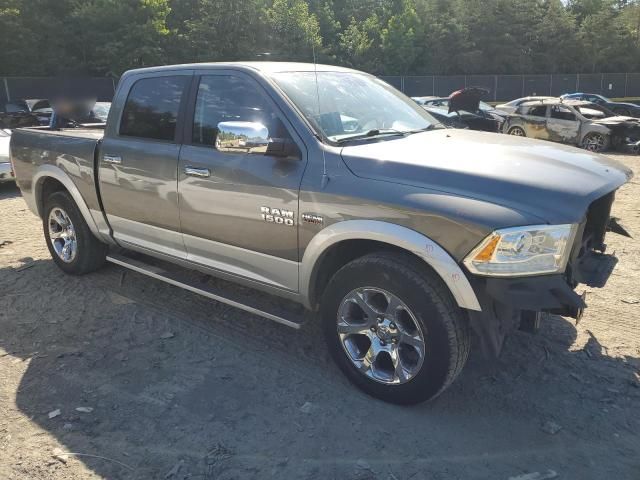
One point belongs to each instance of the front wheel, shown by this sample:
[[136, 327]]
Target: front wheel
[[394, 329], [594, 142], [72, 245]]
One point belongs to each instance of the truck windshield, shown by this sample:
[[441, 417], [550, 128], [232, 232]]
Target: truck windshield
[[345, 105]]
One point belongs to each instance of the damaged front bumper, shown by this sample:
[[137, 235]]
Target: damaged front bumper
[[506, 302]]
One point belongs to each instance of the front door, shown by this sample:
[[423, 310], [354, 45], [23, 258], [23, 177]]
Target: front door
[[239, 207], [139, 163]]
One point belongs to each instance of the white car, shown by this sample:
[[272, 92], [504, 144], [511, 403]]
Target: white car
[[6, 172], [513, 105]]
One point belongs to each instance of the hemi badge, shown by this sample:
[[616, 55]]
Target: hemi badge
[[312, 218]]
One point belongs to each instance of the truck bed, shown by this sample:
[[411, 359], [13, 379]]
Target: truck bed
[[70, 150], [93, 132]]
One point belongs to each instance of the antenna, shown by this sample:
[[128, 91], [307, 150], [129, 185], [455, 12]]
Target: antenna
[[325, 177]]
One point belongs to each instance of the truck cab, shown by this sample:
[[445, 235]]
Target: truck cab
[[328, 188]]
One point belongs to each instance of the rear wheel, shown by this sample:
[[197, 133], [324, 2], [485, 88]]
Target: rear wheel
[[394, 329], [72, 245], [594, 142], [517, 131]]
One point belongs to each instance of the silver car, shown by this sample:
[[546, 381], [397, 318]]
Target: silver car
[[6, 172], [572, 122], [512, 106]]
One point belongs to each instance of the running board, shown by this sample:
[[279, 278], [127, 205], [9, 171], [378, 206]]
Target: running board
[[178, 277]]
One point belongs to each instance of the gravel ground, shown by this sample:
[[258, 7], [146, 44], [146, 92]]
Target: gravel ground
[[139, 380]]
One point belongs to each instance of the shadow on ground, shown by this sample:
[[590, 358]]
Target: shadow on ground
[[8, 190], [182, 387]]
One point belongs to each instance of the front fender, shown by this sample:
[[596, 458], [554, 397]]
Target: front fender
[[425, 248]]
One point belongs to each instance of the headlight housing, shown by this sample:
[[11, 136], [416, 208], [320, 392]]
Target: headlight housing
[[522, 251]]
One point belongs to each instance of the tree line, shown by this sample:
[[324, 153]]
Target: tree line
[[391, 37]]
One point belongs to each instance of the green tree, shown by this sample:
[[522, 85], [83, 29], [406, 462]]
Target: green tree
[[608, 47], [216, 30], [293, 31], [115, 35], [359, 45], [558, 48], [399, 40]]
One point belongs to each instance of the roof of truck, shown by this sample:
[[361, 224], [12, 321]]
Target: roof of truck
[[266, 67]]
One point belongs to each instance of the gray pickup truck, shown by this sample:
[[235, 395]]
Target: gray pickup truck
[[330, 189]]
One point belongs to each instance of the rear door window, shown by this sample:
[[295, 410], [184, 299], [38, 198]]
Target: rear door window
[[562, 113], [540, 111], [152, 108]]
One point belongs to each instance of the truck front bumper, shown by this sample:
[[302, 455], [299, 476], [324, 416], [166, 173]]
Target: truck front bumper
[[6, 172]]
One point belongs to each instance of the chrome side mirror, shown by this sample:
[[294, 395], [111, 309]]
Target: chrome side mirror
[[242, 137]]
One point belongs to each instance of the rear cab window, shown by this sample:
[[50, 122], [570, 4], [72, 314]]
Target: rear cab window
[[152, 107]]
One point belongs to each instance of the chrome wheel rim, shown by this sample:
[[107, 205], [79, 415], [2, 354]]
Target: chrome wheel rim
[[380, 335], [517, 131], [594, 143], [62, 235]]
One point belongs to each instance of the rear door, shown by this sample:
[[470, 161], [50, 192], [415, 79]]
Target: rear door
[[239, 207], [563, 125], [535, 124], [138, 162]]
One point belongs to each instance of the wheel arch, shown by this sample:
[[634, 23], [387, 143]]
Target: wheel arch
[[50, 178], [354, 238]]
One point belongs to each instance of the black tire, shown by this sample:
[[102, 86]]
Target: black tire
[[444, 324], [90, 254]]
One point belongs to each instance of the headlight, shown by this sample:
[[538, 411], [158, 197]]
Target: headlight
[[520, 251]]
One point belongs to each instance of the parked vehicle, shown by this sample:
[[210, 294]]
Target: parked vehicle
[[621, 108], [451, 120], [400, 236], [101, 111], [38, 109], [464, 107], [513, 105], [574, 122], [17, 114], [6, 172]]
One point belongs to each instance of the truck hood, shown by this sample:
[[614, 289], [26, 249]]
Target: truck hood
[[552, 182]]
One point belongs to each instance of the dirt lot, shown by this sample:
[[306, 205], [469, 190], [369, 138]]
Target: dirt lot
[[175, 386]]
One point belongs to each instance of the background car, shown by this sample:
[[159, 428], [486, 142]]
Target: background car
[[452, 120], [574, 122], [101, 110], [513, 105], [6, 172], [621, 108], [464, 109]]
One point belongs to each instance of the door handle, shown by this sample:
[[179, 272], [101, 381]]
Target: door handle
[[115, 159], [197, 172]]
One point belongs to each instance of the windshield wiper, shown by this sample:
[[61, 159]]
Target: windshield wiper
[[371, 134], [427, 128]]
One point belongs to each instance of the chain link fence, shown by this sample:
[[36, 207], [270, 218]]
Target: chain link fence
[[503, 88]]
